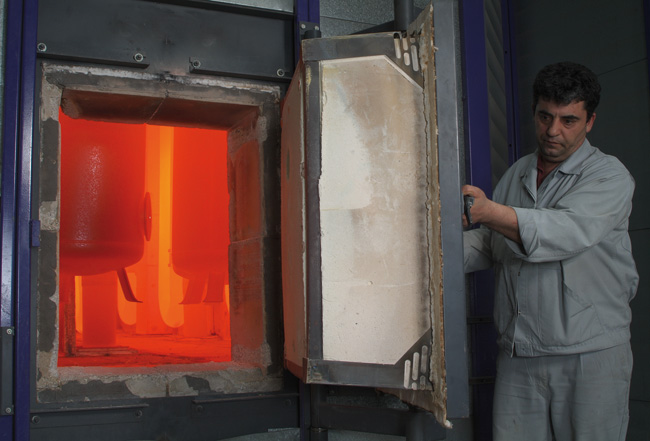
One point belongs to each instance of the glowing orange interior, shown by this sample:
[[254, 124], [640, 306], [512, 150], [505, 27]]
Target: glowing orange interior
[[179, 276]]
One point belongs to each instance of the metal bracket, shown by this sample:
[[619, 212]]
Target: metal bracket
[[6, 370], [309, 30], [121, 57], [159, 37]]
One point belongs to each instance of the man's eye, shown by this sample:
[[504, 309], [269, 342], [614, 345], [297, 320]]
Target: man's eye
[[544, 118], [569, 122]]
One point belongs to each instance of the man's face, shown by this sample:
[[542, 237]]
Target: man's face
[[560, 128]]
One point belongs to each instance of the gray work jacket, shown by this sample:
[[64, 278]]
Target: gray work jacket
[[567, 288]]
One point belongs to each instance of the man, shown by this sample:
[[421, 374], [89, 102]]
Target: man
[[556, 235]]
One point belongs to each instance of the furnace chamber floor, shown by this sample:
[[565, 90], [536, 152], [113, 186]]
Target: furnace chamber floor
[[150, 350]]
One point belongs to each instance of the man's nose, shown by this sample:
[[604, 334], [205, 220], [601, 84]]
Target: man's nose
[[553, 128]]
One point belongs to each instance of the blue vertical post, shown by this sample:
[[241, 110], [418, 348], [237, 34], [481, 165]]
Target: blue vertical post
[[306, 11], [15, 211], [477, 128], [13, 20], [510, 68], [479, 174]]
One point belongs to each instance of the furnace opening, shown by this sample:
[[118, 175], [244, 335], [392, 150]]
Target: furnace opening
[[143, 248], [165, 278]]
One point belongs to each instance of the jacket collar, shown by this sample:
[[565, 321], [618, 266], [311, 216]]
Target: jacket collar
[[571, 166], [574, 164]]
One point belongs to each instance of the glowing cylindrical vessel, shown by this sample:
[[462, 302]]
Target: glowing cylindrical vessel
[[102, 196], [200, 234]]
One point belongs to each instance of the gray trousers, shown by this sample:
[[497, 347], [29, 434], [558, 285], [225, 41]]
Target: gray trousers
[[581, 397]]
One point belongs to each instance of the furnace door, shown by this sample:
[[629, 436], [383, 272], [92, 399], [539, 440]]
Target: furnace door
[[362, 216]]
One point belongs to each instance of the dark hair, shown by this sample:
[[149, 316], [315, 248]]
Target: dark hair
[[566, 83]]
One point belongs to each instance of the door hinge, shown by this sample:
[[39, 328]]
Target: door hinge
[[7, 335]]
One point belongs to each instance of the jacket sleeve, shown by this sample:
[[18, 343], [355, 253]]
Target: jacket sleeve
[[597, 203], [477, 249]]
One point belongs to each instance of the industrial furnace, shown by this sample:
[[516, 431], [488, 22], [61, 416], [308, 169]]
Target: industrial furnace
[[143, 276], [213, 239]]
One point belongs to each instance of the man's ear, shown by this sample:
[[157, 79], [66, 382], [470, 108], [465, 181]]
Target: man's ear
[[590, 123]]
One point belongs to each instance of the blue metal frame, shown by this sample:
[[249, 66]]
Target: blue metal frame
[[308, 10], [479, 173], [305, 11], [477, 129], [20, 63], [512, 95]]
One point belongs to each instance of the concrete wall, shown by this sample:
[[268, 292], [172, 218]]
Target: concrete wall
[[609, 38]]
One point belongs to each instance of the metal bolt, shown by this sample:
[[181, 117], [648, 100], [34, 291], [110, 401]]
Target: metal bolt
[[196, 64], [317, 28], [8, 410], [36, 419], [10, 331], [280, 72], [138, 413], [138, 57], [42, 47], [199, 409], [303, 26]]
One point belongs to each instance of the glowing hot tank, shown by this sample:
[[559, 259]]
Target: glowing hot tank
[[200, 234], [103, 206]]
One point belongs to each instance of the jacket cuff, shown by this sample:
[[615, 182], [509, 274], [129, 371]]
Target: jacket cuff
[[526, 227]]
